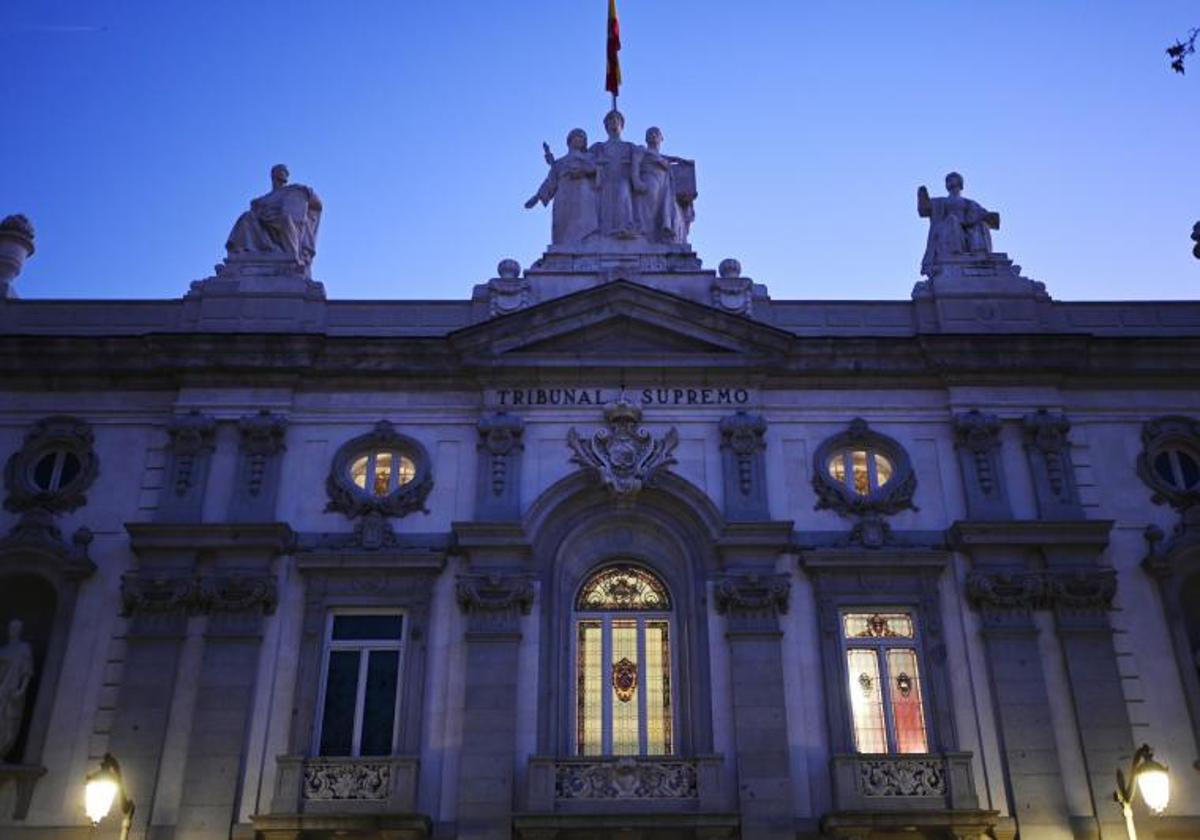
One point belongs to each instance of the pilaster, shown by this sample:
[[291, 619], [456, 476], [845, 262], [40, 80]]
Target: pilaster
[[192, 440], [494, 604], [498, 478], [1049, 452], [256, 482], [977, 444], [752, 604]]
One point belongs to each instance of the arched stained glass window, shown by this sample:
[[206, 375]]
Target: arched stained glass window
[[623, 664]]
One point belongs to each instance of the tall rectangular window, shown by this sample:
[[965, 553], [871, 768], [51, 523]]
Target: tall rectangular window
[[364, 653], [886, 705]]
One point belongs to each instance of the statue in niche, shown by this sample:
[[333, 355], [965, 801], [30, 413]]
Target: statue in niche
[[958, 226], [571, 184], [662, 217], [282, 222], [614, 180], [16, 671]]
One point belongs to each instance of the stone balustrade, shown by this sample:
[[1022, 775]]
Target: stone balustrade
[[604, 783], [933, 781], [385, 784]]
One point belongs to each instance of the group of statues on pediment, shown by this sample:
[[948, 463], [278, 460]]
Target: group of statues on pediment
[[611, 190], [617, 189]]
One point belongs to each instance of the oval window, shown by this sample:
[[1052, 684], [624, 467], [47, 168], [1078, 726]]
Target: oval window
[[861, 471], [1178, 467], [55, 469], [380, 473]]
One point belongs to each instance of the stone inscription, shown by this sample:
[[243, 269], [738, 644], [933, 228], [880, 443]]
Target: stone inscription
[[532, 397]]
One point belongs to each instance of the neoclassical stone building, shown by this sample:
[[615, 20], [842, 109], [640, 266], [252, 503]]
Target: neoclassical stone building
[[618, 546]]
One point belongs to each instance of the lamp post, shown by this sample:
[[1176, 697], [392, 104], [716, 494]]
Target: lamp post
[[1149, 777], [101, 788]]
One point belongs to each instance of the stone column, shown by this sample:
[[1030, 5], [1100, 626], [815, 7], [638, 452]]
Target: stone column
[[752, 603], [235, 601], [493, 603]]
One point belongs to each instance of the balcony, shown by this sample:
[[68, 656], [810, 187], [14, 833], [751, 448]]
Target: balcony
[[682, 796]]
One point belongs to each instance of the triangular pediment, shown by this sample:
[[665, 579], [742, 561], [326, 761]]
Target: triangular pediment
[[619, 321]]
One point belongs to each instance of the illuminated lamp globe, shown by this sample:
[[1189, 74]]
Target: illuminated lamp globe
[[98, 795], [1155, 785]]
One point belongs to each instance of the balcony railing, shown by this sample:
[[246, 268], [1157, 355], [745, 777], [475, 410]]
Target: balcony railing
[[620, 782], [932, 781], [384, 784]]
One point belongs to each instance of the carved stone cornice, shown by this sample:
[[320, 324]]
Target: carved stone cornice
[[966, 535], [1022, 590], [147, 538], [624, 456], [190, 594]]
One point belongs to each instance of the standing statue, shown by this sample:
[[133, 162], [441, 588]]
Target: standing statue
[[614, 180], [16, 670], [284, 221], [571, 184], [661, 216], [957, 226]]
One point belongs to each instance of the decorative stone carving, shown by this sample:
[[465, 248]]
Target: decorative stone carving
[[237, 592], [1049, 452], [571, 185], [614, 180], [624, 456], [888, 497], [259, 460], [191, 435], [731, 291], [362, 779], [977, 442], [742, 448], [354, 501], [223, 592], [16, 672], [16, 245], [493, 602], [658, 181], [1196, 239], [280, 228], [753, 602], [901, 777], [145, 592], [1069, 589], [53, 468], [625, 779], [499, 451], [510, 291], [1169, 457], [958, 226]]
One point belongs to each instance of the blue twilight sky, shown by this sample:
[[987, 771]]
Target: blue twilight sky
[[135, 132]]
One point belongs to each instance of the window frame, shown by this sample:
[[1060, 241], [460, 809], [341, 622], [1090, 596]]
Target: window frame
[[329, 645], [879, 646], [606, 617]]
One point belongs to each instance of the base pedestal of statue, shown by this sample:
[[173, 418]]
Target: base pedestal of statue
[[263, 292], [984, 293], [564, 270]]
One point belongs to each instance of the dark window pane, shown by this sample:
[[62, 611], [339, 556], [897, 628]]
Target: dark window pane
[[379, 706], [349, 627], [43, 472], [341, 690], [1162, 466], [1190, 470], [70, 469]]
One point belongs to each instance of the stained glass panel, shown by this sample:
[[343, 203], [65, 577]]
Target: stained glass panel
[[866, 701], [623, 588], [590, 688], [860, 463], [907, 708], [625, 701], [383, 474], [658, 689], [877, 625]]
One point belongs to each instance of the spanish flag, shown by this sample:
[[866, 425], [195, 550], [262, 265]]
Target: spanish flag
[[612, 76]]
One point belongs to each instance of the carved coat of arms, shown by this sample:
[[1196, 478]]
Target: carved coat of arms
[[623, 455]]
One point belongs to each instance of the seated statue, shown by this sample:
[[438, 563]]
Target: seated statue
[[571, 184], [282, 222], [957, 226]]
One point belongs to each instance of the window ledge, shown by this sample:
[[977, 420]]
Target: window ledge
[[623, 783], [337, 784]]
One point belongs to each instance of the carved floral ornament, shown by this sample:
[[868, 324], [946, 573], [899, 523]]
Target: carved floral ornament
[[1169, 462], [197, 595], [53, 468], [1072, 589], [383, 473], [625, 779], [623, 455]]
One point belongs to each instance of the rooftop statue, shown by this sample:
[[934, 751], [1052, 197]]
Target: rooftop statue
[[958, 227], [16, 671], [614, 180], [281, 223], [662, 216], [571, 185]]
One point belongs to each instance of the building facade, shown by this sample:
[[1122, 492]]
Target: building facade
[[619, 546]]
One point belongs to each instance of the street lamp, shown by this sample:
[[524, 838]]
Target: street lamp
[[1151, 779], [101, 788]]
